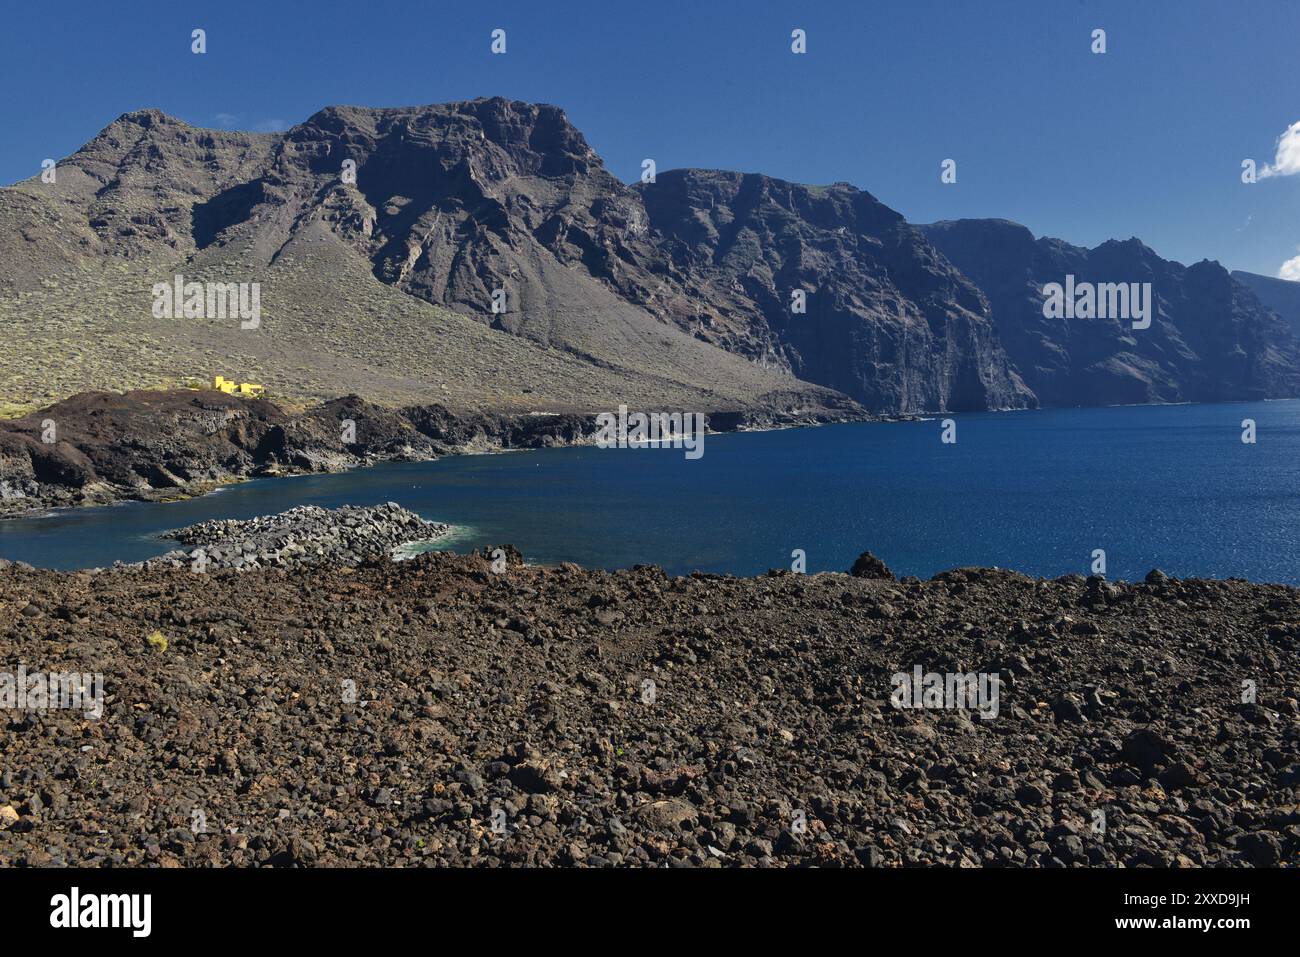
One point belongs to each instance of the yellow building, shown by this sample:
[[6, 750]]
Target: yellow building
[[222, 384]]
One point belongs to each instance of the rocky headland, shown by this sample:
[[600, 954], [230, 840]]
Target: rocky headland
[[156, 445]]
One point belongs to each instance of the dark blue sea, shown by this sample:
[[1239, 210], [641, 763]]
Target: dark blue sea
[[1172, 487]]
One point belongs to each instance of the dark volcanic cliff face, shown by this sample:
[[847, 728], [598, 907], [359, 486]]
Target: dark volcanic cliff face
[[1280, 295], [888, 320], [455, 201], [380, 283], [1209, 340]]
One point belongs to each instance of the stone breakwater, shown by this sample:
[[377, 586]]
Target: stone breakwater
[[308, 534], [441, 712]]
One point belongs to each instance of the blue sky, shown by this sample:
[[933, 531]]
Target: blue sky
[[1144, 140]]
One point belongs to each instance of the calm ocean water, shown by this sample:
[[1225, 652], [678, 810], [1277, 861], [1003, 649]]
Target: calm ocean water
[[1167, 486]]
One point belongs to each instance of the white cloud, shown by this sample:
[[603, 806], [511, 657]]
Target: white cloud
[[226, 119], [1287, 161], [277, 126], [1290, 270]]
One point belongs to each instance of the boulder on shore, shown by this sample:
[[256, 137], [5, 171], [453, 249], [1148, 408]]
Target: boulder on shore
[[869, 566]]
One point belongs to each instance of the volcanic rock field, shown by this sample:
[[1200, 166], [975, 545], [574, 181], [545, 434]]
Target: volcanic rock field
[[453, 710]]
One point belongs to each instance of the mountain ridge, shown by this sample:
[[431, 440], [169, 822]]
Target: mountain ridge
[[1280, 295], [1209, 340], [484, 257]]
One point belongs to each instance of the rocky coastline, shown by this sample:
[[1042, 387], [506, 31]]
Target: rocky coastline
[[97, 448]]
